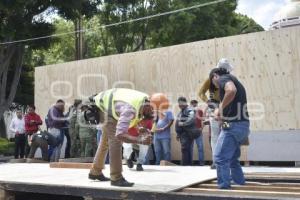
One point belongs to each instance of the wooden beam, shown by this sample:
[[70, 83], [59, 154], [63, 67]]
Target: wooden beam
[[255, 188], [6, 195], [70, 165], [241, 192], [34, 160], [78, 160], [21, 160], [253, 183], [166, 163], [271, 177], [273, 173]]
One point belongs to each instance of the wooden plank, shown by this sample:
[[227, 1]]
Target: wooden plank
[[253, 183], [30, 160], [70, 165], [273, 174], [255, 188], [6, 195], [273, 177], [21, 160], [152, 179], [78, 160], [242, 192], [166, 163]]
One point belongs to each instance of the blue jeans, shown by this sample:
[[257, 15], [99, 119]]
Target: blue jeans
[[150, 155], [162, 148], [227, 154], [59, 135], [199, 142], [99, 133]]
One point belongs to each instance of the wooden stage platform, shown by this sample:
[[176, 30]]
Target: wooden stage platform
[[156, 182]]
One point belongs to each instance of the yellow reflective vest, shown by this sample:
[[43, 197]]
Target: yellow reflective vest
[[106, 101]]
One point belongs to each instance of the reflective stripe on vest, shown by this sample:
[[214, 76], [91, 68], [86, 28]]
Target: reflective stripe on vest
[[132, 97]]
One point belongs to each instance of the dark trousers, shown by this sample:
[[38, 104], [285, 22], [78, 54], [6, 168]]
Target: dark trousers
[[38, 141], [20, 140], [68, 145], [186, 143], [27, 147]]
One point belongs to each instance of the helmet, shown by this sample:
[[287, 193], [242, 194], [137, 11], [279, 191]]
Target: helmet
[[159, 101], [225, 64]]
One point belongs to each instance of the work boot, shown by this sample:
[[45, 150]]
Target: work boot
[[121, 183], [100, 177], [139, 167], [129, 163]]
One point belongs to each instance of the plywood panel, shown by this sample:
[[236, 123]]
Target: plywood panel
[[267, 63], [152, 179], [263, 63]]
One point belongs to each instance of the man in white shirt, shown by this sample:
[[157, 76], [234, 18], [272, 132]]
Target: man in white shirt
[[17, 127]]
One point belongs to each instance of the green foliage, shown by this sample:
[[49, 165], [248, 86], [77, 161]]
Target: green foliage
[[244, 24], [6, 147], [203, 23], [28, 19], [61, 50]]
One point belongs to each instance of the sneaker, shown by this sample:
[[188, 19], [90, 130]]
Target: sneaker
[[129, 163], [139, 167], [100, 177], [121, 183]]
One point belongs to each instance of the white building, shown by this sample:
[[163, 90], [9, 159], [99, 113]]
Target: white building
[[288, 16]]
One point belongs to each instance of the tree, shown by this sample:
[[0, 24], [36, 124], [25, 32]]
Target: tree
[[130, 36], [198, 24], [244, 24], [60, 50], [23, 19], [217, 20]]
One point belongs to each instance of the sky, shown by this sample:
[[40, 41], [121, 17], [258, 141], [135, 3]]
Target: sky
[[262, 11]]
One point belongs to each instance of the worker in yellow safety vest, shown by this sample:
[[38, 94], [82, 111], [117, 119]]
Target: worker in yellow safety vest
[[119, 110]]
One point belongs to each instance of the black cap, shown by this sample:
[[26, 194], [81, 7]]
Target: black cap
[[182, 99]]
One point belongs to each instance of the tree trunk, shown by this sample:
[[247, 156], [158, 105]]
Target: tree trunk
[[14, 54], [2, 128], [78, 39]]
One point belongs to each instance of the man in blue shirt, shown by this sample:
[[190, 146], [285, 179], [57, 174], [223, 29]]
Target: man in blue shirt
[[162, 136]]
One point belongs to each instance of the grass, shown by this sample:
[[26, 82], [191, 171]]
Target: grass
[[6, 147]]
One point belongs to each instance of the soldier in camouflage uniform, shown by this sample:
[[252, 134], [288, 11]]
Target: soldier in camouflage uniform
[[87, 135], [74, 129]]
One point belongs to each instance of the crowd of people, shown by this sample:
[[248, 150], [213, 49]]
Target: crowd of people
[[135, 130], [83, 138]]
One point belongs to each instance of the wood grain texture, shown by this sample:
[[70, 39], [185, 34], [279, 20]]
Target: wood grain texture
[[267, 63], [70, 165]]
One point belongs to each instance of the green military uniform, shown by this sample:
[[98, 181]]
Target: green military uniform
[[74, 134], [87, 135]]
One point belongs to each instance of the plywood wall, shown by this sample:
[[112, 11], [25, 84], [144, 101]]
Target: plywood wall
[[267, 63]]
